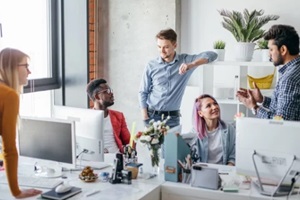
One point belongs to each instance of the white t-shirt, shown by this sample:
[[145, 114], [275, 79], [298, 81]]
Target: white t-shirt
[[109, 139], [215, 146]]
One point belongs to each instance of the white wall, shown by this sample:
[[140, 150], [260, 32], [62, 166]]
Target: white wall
[[201, 21], [131, 32], [201, 26]]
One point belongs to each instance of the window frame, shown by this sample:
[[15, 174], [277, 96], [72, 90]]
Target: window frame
[[55, 52]]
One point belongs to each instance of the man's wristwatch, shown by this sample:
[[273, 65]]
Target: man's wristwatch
[[254, 109]]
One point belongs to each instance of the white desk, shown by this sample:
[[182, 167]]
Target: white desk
[[139, 189], [151, 189]]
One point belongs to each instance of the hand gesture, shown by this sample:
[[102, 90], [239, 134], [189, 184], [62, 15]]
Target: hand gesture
[[246, 97], [28, 193], [256, 93], [183, 68]]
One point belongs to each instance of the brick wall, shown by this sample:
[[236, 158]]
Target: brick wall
[[92, 42]]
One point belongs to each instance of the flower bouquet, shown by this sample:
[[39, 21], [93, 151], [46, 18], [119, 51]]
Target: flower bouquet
[[153, 137]]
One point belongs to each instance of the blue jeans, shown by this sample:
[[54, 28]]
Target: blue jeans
[[174, 121]]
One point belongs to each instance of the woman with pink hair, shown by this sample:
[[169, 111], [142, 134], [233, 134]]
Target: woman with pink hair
[[214, 139]]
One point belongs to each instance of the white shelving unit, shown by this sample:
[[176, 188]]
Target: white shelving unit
[[218, 80]]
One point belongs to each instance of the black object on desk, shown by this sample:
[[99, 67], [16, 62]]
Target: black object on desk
[[61, 196], [119, 175]]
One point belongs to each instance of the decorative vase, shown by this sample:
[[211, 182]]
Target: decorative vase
[[155, 158], [155, 170], [221, 54], [244, 51], [265, 55]]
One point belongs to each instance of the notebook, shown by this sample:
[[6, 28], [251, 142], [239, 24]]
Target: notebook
[[60, 196]]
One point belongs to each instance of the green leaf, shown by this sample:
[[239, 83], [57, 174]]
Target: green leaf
[[246, 27]]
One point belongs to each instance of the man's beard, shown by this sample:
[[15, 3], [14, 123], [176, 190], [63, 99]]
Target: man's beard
[[279, 61], [108, 103]]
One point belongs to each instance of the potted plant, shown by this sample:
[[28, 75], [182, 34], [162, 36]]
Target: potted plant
[[262, 44], [263, 47], [219, 48], [246, 29]]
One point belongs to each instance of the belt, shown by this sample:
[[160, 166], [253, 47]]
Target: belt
[[166, 113]]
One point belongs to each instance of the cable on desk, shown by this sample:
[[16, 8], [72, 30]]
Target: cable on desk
[[83, 151], [293, 181]]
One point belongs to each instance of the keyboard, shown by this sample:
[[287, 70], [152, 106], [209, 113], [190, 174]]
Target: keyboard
[[35, 182]]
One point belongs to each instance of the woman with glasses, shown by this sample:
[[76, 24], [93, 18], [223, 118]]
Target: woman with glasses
[[13, 75], [213, 140]]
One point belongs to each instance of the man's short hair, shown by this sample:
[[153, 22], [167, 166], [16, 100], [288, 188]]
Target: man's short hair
[[284, 35], [167, 34], [93, 88]]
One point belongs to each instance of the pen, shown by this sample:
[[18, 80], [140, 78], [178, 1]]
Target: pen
[[223, 173], [92, 193], [181, 164]]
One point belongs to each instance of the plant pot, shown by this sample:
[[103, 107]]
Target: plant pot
[[244, 51], [221, 54], [265, 55]]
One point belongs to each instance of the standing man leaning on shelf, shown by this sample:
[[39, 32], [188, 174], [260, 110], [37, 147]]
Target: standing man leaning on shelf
[[165, 78], [283, 43], [116, 133]]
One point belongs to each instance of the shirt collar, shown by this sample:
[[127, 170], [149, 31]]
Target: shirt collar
[[161, 61], [285, 67]]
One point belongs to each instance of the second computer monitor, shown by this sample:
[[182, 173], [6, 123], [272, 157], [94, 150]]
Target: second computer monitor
[[271, 145], [47, 142], [88, 126]]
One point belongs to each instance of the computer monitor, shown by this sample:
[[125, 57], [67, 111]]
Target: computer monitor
[[268, 149], [88, 126], [47, 142]]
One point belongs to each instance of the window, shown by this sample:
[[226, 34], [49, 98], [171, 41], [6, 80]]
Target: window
[[32, 26]]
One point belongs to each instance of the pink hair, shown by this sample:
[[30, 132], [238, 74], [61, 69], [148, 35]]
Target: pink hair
[[199, 122]]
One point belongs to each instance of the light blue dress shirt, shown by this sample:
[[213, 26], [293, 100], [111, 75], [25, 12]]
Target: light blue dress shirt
[[162, 86]]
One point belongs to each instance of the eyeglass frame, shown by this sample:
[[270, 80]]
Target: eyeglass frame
[[24, 65], [107, 91]]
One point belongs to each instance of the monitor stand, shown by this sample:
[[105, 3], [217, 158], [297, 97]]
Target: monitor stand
[[48, 172], [280, 189]]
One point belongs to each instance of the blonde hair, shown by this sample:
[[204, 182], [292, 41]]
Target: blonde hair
[[9, 60]]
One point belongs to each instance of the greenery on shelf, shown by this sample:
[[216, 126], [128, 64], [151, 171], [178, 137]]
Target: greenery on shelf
[[246, 27], [219, 44], [262, 44]]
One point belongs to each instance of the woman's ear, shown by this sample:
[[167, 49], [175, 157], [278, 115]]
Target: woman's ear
[[200, 113]]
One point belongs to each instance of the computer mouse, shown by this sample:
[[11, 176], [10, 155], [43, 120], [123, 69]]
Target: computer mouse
[[63, 188], [50, 171]]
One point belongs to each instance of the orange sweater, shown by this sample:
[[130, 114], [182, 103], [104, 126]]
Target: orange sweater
[[9, 109]]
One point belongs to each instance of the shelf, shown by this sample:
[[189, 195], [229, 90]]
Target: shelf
[[267, 93], [220, 79], [228, 101], [237, 63]]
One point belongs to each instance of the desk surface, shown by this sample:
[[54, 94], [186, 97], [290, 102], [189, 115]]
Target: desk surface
[[146, 189]]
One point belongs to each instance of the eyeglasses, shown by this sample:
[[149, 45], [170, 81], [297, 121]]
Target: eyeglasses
[[24, 65], [107, 91]]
